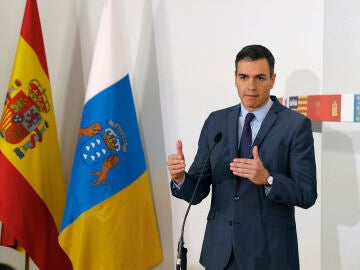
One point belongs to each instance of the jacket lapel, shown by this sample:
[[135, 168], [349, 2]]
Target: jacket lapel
[[268, 122], [233, 127]]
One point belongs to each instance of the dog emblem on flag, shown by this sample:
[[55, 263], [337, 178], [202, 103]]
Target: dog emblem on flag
[[102, 146]]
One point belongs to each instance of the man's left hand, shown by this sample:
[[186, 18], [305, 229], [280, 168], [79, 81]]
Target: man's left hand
[[252, 169]]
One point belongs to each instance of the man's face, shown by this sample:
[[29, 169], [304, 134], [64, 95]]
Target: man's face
[[253, 82]]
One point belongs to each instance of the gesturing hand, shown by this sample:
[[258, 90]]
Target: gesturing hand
[[176, 163], [252, 169]]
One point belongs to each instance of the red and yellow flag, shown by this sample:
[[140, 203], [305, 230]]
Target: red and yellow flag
[[31, 179]]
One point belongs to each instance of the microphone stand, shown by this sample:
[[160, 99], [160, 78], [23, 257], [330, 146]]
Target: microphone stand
[[181, 262]]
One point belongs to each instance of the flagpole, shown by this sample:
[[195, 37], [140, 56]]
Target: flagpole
[[26, 261]]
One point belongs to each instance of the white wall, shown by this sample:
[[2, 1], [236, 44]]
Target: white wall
[[340, 146], [198, 41], [182, 61]]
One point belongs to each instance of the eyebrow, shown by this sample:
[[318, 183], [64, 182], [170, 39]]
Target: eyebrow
[[257, 75]]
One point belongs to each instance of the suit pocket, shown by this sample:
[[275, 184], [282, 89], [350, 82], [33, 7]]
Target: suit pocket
[[279, 221]]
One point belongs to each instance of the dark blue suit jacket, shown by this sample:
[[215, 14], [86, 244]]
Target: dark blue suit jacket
[[260, 229]]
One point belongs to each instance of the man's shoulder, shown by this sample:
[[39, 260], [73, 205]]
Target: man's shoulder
[[291, 114], [225, 111], [286, 112]]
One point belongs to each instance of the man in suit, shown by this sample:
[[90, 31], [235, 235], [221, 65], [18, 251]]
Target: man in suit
[[251, 221]]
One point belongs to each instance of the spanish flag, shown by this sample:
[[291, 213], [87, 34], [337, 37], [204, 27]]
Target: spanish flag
[[109, 220], [31, 179]]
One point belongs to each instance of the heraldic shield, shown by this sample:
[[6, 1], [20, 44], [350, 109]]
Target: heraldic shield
[[100, 147], [23, 112]]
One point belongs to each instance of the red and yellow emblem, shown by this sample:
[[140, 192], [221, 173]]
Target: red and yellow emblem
[[22, 115]]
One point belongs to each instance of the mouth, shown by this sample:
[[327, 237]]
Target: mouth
[[250, 96]]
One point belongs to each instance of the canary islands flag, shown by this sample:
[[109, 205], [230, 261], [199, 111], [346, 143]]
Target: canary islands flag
[[31, 180], [109, 219]]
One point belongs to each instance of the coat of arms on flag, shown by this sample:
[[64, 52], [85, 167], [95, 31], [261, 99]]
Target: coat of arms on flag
[[102, 147], [22, 115]]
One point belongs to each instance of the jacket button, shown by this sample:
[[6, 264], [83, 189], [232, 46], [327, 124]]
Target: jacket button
[[236, 198], [230, 222]]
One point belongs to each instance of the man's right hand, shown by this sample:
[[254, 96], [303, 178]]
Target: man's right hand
[[176, 164]]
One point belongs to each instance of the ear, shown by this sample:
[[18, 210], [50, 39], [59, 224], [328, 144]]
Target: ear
[[273, 78]]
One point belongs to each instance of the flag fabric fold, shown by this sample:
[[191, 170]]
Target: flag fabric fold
[[31, 179], [109, 220]]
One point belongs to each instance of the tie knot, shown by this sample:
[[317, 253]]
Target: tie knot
[[248, 118]]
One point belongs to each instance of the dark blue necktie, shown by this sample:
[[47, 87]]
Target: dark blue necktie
[[246, 137]]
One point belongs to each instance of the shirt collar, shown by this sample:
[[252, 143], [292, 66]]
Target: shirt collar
[[260, 113]]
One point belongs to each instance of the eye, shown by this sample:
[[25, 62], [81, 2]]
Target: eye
[[261, 78], [242, 77]]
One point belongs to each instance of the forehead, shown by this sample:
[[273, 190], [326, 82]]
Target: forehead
[[255, 67]]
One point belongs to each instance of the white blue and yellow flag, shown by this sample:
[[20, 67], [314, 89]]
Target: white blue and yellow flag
[[109, 220]]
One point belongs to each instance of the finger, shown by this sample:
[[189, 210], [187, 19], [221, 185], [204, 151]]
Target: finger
[[176, 165], [244, 162], [174, 161], [255, 152], [179, 148]]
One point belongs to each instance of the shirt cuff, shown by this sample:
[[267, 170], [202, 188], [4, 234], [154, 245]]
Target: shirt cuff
[[267, 189], [178, 185]]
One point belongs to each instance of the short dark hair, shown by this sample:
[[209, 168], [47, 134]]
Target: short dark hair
[[255, 52]]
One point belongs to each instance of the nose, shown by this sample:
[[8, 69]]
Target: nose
[[251, 84]]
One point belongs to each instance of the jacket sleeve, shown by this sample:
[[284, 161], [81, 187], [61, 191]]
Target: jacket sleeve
[[297, 185], [198, 168]]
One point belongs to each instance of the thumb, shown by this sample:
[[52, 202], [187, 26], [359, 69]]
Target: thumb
[[179, 148], [255, 152]]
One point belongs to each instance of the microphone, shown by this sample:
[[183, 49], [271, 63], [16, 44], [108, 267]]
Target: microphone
[[181, 262]]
